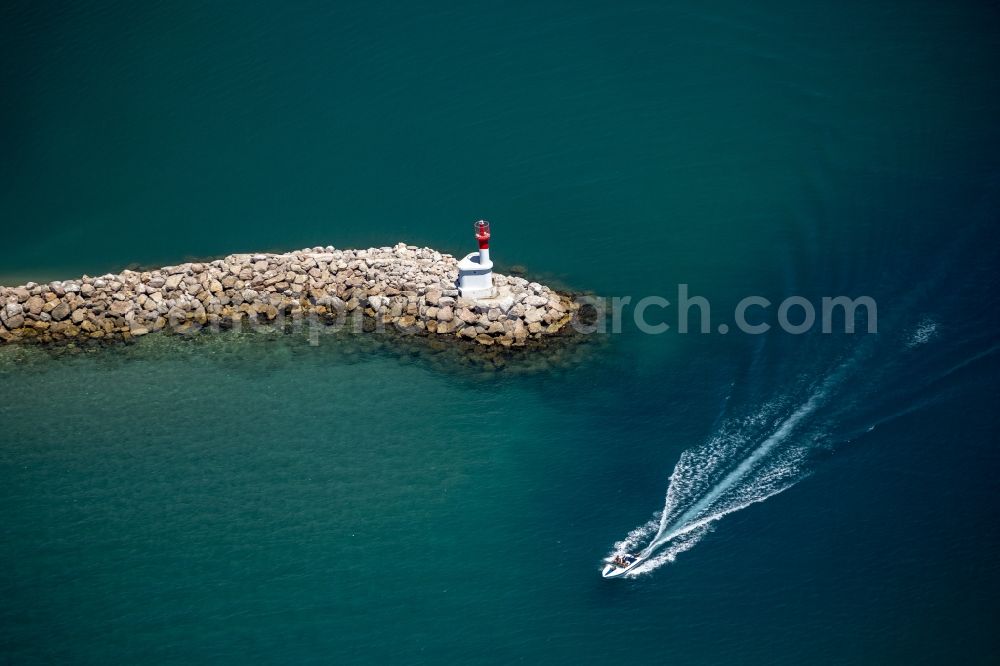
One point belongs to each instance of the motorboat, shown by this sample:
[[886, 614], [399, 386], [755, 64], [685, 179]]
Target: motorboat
[[619, 565]]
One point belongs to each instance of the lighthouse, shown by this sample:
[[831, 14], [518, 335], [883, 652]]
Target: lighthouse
[[475, 271]]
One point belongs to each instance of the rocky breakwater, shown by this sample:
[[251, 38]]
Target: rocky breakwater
[[404, 288]]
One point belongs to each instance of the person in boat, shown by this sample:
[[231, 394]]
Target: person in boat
[[623, 561]]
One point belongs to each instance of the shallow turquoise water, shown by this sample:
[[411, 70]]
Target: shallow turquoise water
[[237, 498]]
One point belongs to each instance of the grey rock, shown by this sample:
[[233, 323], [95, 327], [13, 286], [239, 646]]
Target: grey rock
[[60, 311], [35, 305], [520, 330], [533, 315], [536, 301]]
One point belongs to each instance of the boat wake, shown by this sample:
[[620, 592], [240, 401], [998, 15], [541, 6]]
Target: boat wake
[[754, 457], [723, 476], [830, 394]]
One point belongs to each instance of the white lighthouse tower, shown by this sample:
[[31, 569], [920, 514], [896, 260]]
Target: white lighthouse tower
[[475, 271]]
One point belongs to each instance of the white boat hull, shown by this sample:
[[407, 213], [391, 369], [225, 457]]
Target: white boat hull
[[614, 571]]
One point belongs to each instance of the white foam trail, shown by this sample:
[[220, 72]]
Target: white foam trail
[[670, 529], [923, 334], [695, 500], [670, 553], [731, 471], [757, 457]]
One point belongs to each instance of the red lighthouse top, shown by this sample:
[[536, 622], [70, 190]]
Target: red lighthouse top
[[482, 228]]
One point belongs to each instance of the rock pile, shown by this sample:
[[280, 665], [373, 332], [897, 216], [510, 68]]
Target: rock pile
[[407, 288]]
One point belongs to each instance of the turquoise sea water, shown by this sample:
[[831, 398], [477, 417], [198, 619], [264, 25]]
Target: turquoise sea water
[[243, 498]]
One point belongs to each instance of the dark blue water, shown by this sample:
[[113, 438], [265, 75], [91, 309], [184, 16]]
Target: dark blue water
[[237, 498]]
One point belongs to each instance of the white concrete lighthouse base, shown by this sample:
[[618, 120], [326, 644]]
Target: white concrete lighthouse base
[[475, 279]]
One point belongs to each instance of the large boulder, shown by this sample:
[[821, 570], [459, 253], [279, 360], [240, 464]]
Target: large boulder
[[35, 305], [536, 301], [12, 309], [336, 304], [533, 315], [121, 308], [14, 321], [60, 311]]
